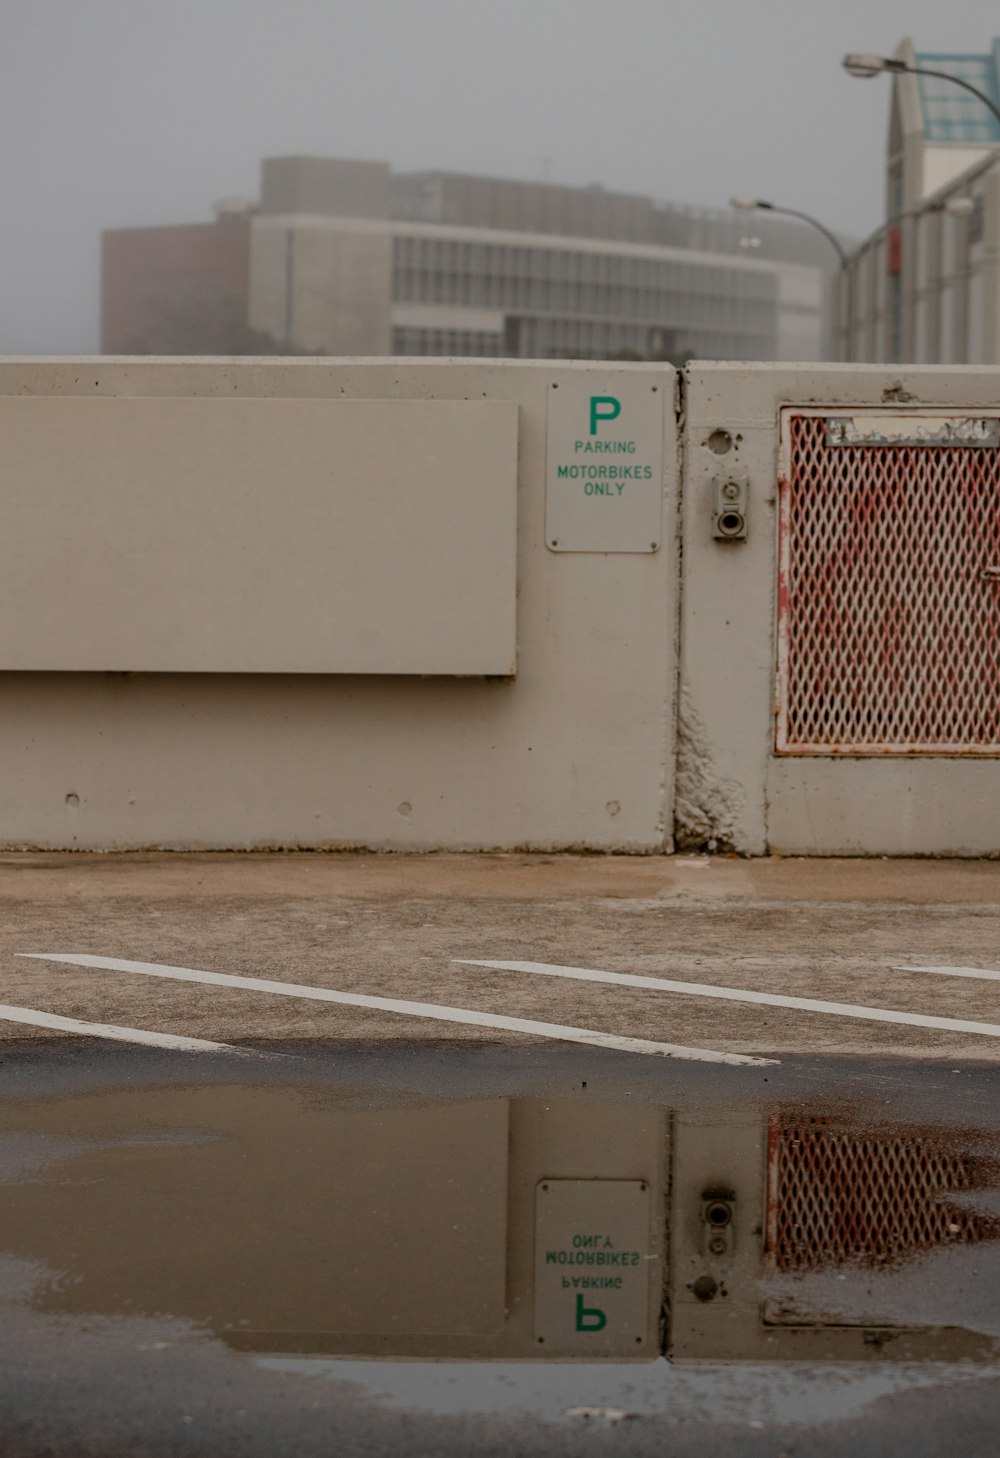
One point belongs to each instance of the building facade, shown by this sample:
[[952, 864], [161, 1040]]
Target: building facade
[[343, 257], [924, 288]]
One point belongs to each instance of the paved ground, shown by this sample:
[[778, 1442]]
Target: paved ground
[[144, 1196], [393, 926], [97, 1373]]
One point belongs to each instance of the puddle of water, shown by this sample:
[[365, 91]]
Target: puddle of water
[[750, 1394], [502, 1233]]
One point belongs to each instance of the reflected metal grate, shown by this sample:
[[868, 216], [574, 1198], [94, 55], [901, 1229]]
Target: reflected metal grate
[[834, 1197], [888, 595]]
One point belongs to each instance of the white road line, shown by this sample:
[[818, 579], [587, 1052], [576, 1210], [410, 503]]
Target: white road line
[[739, 994], [433, 1010], [36, 1019], [981, 972]]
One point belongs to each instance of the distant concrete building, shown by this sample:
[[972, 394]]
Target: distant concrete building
[[343, 257], [925, 287]]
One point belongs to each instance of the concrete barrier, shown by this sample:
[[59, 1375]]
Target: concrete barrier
[[422, 605], [896, 623], [314, 603]]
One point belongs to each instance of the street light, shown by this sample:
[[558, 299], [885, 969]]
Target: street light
[[755, 204], [864, 66], [758, 204]]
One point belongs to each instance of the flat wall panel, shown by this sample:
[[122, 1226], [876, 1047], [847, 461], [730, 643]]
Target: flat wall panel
[[575, 751], [258, 535]]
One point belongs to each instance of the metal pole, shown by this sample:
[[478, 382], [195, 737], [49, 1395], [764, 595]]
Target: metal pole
[[847, 283]]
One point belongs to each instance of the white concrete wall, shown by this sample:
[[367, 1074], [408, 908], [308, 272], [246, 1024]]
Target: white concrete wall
[[576, 751], [732, 789], [944, 163]]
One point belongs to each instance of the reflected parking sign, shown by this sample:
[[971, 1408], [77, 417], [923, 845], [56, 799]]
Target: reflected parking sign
[[593, 1266]]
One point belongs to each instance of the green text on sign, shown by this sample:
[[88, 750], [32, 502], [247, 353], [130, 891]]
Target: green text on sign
[[603, 407]]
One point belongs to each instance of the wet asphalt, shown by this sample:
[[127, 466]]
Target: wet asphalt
[[325, 1242], [103, 1353]]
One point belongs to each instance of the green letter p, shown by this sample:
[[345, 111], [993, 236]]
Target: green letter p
[[589, 1318], [611, 410]]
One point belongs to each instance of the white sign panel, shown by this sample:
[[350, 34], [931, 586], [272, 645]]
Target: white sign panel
[[604, 464], [593, 1266]]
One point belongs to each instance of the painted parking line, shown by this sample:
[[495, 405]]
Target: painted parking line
[[983, 973], [741, 994], [36, 1019], [439, 1012]]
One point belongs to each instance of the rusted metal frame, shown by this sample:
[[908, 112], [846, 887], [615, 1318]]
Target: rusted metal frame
[[782, 677], [784, 546]]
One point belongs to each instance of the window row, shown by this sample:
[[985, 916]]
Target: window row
[[450, 256], [474, 343], [549, 296]]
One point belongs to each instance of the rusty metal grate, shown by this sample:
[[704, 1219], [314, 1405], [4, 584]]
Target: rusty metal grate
[[888, 593], [835, 1196]]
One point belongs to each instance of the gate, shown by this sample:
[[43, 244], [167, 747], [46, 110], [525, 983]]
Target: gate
[[888, 584]]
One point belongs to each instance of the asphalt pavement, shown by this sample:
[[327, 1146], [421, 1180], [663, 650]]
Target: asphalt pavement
[[704, 956]]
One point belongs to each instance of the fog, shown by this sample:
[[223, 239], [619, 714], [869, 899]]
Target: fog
[[124, 112]]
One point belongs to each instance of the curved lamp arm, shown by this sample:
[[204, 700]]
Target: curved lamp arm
[[751, 204], [865, 66]]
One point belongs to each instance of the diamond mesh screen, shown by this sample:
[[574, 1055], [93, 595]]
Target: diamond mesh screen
[[887, 609], [834, 1197]]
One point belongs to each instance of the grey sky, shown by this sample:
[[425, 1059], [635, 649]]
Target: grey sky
[[118, 112]]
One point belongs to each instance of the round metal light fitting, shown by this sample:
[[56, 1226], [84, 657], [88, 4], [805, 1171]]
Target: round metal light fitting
[[861, 63]]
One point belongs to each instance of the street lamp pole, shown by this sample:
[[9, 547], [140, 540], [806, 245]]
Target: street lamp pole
[[757, 204]]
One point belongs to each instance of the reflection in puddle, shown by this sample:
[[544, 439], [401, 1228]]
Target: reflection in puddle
[[836, 1195], [867, 1228], [522, 1253]]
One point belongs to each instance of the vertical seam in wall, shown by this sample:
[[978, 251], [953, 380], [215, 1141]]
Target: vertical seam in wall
[[509, 1289], [669, 1144], [672, 727]]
